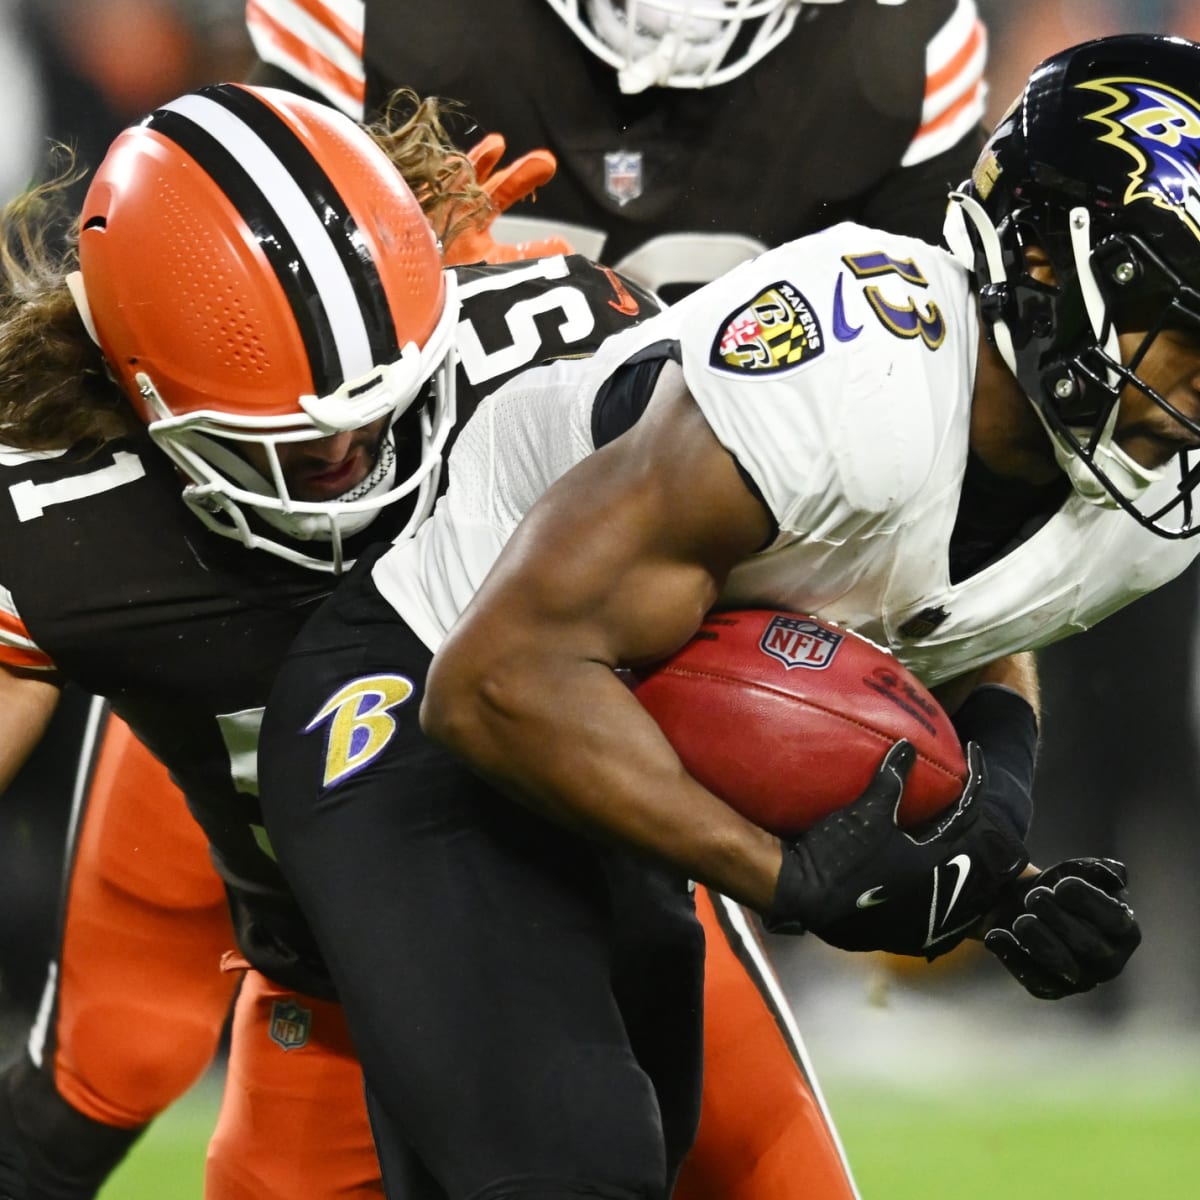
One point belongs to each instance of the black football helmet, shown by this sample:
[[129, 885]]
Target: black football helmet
[[1098, 163]]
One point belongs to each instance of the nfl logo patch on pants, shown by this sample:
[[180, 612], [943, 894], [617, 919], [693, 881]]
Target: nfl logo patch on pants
[[290, 1025]]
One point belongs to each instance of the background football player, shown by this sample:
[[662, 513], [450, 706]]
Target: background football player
[[689, 135]]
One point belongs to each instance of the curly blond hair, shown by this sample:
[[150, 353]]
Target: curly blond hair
[[55, 390], [441, 176]]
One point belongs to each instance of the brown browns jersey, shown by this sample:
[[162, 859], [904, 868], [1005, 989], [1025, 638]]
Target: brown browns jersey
[[867, 111], [108, 580]]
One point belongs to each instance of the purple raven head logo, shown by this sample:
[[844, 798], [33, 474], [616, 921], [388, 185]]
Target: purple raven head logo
[[1159, 128]]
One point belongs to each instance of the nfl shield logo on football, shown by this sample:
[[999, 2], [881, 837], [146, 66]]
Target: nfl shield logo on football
[[796, 642], [290, 1024], [623, 175]]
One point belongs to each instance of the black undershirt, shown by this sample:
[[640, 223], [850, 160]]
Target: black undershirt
[[996, 514]]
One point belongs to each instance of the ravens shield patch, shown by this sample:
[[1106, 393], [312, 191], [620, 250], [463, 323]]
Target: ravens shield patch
[[777, 331]]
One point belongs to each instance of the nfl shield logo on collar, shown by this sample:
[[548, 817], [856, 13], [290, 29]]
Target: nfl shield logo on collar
[[290, 1024], [623, 175]]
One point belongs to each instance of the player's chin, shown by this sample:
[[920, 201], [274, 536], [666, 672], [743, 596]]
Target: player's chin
[[1170, 448], [1153, 450]]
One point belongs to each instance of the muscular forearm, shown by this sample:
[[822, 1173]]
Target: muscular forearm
[[576, 746]]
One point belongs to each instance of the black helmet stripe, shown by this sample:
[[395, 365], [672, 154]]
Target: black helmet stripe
[[301, 222]]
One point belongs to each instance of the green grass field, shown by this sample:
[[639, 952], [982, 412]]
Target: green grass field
[[1108, 1139]]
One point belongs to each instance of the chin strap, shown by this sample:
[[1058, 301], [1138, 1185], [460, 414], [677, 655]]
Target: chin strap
[[961, 209], [1127, 475], [1079, 222]]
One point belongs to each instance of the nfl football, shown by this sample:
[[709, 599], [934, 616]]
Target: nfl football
[[787, 718]]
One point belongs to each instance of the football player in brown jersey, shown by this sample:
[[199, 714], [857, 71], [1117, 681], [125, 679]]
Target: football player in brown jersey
[[219, 597]]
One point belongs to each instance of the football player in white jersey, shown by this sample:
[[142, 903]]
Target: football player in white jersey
[[904, 84], [964, 455]]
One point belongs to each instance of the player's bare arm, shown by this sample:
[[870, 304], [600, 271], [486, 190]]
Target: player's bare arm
[[27, 702], [616, 565], [1016, 671]]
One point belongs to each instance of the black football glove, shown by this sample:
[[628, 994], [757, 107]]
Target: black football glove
[[851, 877], [969, 857], [1000, 732], [1066, 929], [928, 916]]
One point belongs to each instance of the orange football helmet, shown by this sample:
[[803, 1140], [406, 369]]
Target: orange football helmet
[[255, 270]]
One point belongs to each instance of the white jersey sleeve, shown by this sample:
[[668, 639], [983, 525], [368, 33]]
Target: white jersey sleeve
[[817, 367], [838, 371]]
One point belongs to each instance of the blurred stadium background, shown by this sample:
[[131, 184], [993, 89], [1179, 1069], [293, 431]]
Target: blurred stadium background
[[945, 1081]]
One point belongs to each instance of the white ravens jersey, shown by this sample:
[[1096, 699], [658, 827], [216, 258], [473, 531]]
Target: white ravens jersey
[[837, 370]]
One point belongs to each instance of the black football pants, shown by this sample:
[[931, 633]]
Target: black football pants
[[526, 1005]]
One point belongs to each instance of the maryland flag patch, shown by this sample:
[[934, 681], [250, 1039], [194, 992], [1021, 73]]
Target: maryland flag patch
[[777, 331]]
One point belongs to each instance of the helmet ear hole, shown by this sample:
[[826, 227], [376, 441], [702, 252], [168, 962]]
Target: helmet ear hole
[[1038, 264]]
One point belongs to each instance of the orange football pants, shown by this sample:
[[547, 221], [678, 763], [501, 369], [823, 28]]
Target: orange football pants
[[138, 1006], [142, 1001]]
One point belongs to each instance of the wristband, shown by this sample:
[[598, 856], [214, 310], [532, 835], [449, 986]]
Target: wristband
[[1002, 723]]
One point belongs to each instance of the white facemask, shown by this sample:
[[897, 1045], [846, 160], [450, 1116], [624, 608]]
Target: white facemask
[[679, 43]]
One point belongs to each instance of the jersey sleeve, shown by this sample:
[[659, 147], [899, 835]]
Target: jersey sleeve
[[955, 91], [836, 415], [317, 42], [17, 648]]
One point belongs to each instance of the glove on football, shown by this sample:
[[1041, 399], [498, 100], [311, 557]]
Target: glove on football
[[848, 879], [933, 915], [1066, 929], [503, 188], [927, 898]]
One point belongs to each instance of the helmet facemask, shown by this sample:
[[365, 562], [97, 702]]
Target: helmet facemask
[[679, 43], [417, 395]]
